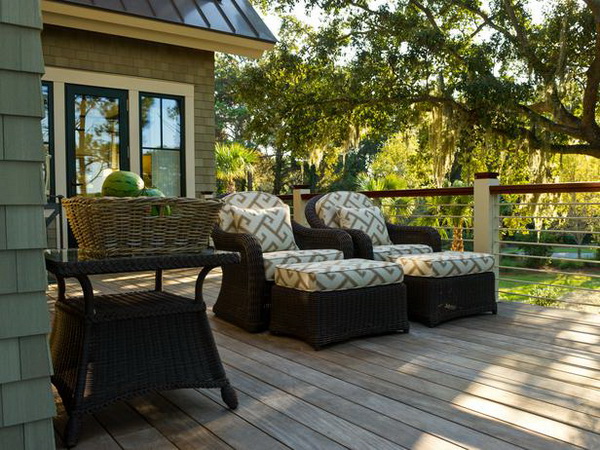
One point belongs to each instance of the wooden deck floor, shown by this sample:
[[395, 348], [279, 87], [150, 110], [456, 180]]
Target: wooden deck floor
[[526, 378]]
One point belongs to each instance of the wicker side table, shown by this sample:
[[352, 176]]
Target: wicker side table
[[107, 348]]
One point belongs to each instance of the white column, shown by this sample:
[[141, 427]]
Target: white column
[[485, 218], [299, 204]]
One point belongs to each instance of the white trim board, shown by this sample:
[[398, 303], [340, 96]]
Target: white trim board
[[134, 85]]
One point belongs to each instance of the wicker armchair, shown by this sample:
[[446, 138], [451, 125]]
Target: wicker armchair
[[321, 213], [245, 296]]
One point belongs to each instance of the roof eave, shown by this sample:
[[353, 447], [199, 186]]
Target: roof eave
[[79, 17]]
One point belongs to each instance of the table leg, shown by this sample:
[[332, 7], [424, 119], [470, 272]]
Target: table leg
[[229, 396], [72, 430], [158, 280], [200, 281]]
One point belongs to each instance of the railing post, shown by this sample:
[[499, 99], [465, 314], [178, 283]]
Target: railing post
[[299, 204], [485, 218]]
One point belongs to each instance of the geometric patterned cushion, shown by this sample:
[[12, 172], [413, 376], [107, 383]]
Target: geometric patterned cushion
[[272, 227], [246, 200], [384, 252], [337, 275], [368, 220], [445, 264], [327, 206], [273, 259]]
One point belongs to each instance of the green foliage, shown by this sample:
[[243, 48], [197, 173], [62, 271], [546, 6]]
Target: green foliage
[[233, 163], [542, 253]]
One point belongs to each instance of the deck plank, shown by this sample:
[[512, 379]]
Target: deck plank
[[359, 416], [282, 427], [526, 378], [175, 425], [451, 422], [221, 421], [129, 429]]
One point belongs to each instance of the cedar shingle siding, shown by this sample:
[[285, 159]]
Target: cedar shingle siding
[[83, 50], [26, 403]]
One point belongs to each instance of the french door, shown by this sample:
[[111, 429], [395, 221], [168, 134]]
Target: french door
[[97, 137]]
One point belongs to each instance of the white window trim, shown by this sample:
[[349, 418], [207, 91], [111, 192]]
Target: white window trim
[[59, 77]]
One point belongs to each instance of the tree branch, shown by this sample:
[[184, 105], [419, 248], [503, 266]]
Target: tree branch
[[590, 94]]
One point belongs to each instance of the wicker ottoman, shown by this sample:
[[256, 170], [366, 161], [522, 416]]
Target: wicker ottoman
[[446, 285], [332, 301]]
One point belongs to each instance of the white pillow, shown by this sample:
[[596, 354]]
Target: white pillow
[[271, 226], [369, 220]]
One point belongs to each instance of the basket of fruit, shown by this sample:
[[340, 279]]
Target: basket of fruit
[[132, 220]]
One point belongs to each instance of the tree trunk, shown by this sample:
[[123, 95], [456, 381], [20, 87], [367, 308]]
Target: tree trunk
[[278, 175]]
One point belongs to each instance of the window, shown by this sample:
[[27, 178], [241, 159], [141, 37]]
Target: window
[[161, 125], [48, 138]]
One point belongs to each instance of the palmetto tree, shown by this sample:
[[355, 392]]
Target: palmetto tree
[[233, 162]]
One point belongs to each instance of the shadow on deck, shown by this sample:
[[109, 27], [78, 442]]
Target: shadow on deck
[[526, 378]]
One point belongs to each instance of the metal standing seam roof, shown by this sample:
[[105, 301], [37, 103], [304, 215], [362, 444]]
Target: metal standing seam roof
[[236, 17]]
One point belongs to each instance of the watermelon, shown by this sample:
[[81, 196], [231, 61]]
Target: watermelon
[[122, 184], [153, 192]]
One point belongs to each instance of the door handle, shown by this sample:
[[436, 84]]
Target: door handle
[[75, 183]]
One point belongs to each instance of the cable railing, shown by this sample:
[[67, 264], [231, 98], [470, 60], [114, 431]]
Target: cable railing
[[545, 237], [548, 245]]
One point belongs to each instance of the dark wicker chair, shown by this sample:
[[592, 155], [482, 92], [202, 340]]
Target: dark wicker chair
[[245, 296], [320, 214]]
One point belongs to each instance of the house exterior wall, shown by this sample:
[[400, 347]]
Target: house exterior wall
[[26, 401], [83, 50]]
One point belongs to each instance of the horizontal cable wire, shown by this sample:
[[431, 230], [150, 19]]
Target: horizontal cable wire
[[562, 286]]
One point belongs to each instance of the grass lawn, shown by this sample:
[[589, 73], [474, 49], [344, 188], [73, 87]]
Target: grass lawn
[[528, 284]]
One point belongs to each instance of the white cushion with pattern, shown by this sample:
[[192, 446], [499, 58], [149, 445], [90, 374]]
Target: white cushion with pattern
[[272, 227], [338, 275], [384, 252], [369, 220], [273, 259], [445, 264], [246, 200], [327, 206]]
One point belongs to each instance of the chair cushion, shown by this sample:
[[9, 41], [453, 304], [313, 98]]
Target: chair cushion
[[247, 200], [273, 259], [369, 220], [445, 264], [327, 206], [338, 275], [271, 226], [383, 252]]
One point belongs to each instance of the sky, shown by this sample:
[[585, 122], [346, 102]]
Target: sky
[[274, 22]]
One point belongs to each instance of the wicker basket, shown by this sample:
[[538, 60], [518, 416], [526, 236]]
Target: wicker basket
[[111, 226]]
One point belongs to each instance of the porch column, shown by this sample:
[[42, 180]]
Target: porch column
[[299, 204], [485, 218]]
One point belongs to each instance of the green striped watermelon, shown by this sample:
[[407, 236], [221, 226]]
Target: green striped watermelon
[[122, 184], [156, 210]]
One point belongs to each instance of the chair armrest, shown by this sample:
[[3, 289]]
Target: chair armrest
[[317, 238], [401, 234], [363, 246], [246, 244]]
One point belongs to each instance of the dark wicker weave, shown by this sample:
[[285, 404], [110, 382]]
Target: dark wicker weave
[[107, 348], [399, 234], [322, 318], [245, 297], [435, 300]]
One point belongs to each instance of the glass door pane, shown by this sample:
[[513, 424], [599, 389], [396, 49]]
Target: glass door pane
[[97, 137]]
